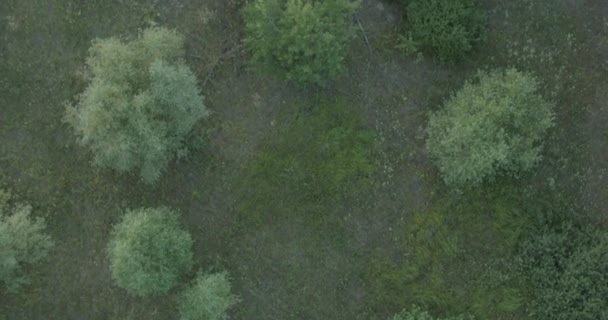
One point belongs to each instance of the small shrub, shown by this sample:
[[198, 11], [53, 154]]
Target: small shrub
[[149, 251], [407, 44], [447, 28], [303, 40], [140, 104], [207, 299], [416, 313], [22, 242], [492, 125]]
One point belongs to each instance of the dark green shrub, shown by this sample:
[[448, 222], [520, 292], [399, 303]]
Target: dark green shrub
[[494, 124], [140, 104], [305, 41], [22, 241], [149, 251], [208, 298], [447, 28], [568, 270]]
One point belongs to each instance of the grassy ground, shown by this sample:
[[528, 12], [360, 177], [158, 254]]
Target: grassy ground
[[263, 200]]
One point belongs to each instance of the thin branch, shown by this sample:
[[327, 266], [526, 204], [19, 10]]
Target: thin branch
[[219, 61], [369, 47]]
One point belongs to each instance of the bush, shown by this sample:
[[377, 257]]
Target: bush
[[140, 104], [149, 251], [303, 40], [207, 299], [492, 125], [568, 269], [416, 313], [447, 28], [22, 242]]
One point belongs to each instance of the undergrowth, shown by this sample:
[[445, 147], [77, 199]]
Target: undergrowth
[[457, 256], [323, 157]]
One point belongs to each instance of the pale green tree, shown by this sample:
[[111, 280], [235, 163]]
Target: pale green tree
[[149, 251], [23, 241], [141, 103], [495, 124], [208, 298]]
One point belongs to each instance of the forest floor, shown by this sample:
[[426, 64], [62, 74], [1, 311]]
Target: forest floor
[[340, 255]]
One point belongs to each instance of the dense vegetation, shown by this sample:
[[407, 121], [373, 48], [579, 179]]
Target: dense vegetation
[[567, 263], [446, 28], [304, 41], [340, 179]]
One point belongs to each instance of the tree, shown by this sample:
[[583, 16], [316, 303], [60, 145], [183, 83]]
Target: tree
[[303, 40], [416, 313], [494, 124], [140, 104], [149, 251], [447, 28], [22, 241], [208, 298]]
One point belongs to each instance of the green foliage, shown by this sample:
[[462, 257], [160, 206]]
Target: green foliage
[[207, 299], [493, 125], [140, 104], [322, 156], [149, 251], [456, 258], [22, 241], [416, 313], [568, 271], [447, 28], [303, 40]]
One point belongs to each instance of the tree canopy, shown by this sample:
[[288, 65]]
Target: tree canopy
[[494, 124], [141, 102], [149, 251], [208, 298]]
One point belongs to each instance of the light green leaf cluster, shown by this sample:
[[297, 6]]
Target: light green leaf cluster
[[493, 125], [22, 241], [149, 251], [447, 28], [208, 298], [141, 102], [416, 313], [305, 41]]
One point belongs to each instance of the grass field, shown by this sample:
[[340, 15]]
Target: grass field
[[315, 214]]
